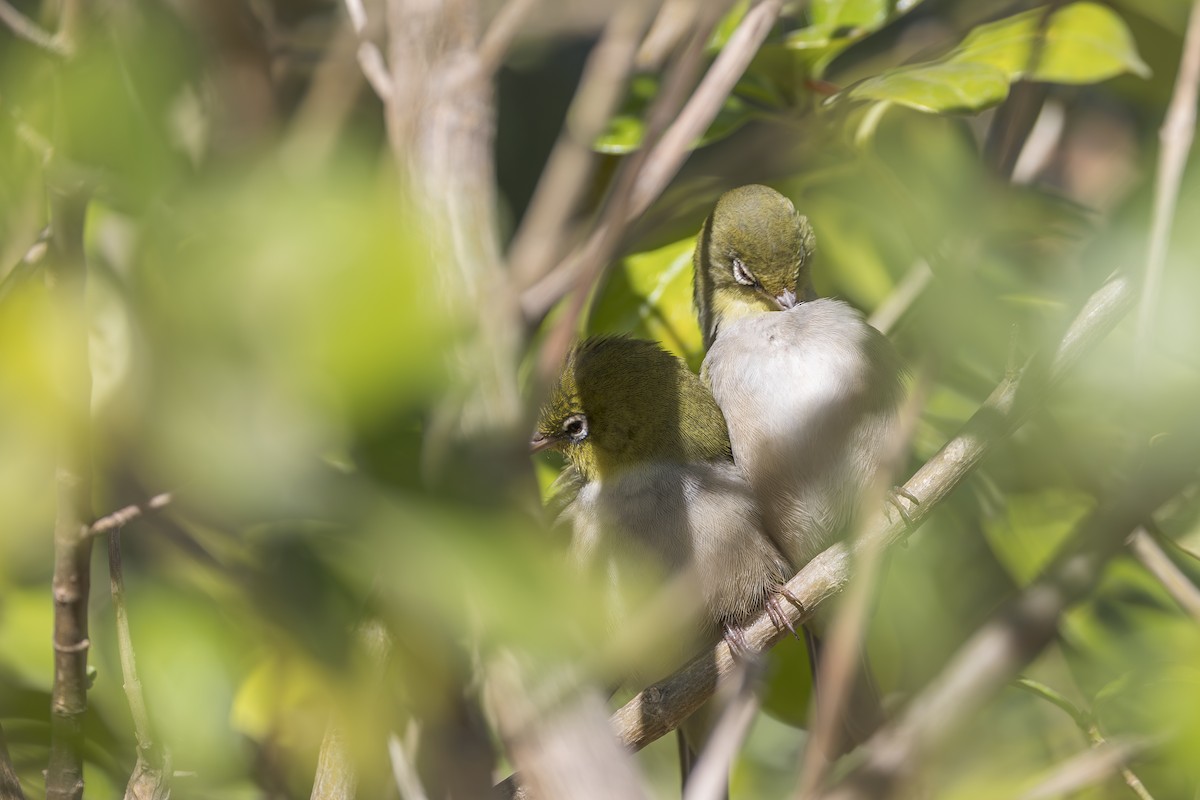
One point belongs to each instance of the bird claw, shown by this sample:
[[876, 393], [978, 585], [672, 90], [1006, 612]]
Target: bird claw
[[893, 500], [735, 637], [778, 614]]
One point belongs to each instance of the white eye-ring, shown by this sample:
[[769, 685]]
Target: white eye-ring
[[742, 274], [575, 427]]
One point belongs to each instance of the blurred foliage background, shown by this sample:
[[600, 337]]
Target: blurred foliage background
[[275, 339]]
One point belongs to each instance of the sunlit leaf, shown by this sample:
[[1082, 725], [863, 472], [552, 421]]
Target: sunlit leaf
[[650, 295], [1079, 43]]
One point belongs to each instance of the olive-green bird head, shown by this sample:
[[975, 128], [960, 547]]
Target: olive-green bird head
[[621, 402], [753, 254]]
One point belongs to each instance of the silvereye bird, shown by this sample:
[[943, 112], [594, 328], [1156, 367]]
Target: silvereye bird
[[654, 479], [649, 453], [810, 391]]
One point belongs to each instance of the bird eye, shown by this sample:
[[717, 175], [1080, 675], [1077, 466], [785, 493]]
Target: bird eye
[[743, 275], [575, 427]]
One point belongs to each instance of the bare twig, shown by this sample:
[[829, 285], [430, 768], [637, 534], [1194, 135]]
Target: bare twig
[[66, 274], [151, 778], [662, 161], [25, 28], [1160, 565], [1023, 627], [661, 707], [538, 242], [10, 784], [670, 25], [123, 516], [1175, 135], [500, 33]]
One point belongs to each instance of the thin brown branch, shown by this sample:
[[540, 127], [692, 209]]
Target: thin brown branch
[[660, 708], [66, 275], [10, 784], [501, 32], [408, 783], [123, 516], [1016, 634], [1176, 134], [151, 778], [25, 28], [1159, 564], [538, 242], [579, 272]]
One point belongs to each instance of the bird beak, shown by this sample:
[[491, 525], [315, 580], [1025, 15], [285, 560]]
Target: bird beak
[[540, 442], [786, 300]]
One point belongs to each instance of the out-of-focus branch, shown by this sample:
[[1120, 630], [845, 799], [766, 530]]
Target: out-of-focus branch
[[1086, 769], [559, 741], [661, 162], [584, 266], [902, 297], [709, 779], [500, 33], [661, 707], [10, 784], [370, 57], [1176, 134], [538, 242], [1153, 558], [441, 124], [123, 516], [151, 778], [1023, 627], [25, 28], [66, 275]]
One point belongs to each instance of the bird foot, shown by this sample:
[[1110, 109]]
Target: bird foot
[[893, 501]]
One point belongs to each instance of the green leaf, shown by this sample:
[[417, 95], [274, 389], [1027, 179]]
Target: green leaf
[[650, 295], [837, 24], [937, 88], [1080, 43]]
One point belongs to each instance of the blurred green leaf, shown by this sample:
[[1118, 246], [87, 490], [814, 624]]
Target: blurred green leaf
[[627, 128], [1033, 528]]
